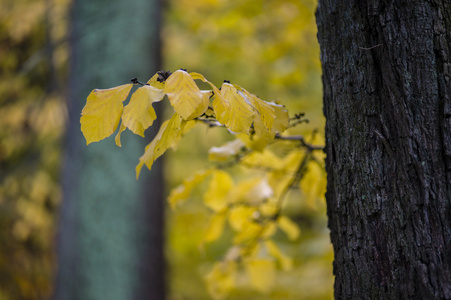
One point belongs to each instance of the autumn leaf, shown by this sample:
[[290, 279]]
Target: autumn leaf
[[102, 112], [215, 227], [216, 197], [221, 279], [240, 216], [282, 119], [183, 191], [262, 274], [185, 96], [232, 110], [139, 114], [167, 137], [225, 151], [117, 138], [290, 228], [264, 117], [285, 261]]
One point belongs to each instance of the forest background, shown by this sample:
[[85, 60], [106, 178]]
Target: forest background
[[268, 47]]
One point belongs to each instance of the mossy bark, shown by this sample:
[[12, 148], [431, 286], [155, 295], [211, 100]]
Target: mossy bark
[[111, 236], [387, 89]]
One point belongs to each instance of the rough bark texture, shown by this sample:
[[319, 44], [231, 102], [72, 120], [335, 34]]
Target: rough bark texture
[[111, 236], [387, 90]]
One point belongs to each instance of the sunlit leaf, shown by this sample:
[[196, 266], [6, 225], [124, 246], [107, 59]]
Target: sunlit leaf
[[285, 261], [139, 114], [215, 227], [264, 117], [253, 142], [282, 119], [102, 112], [313, 184], [225, 151], [268, 209], [117, 138], [250, 232], [240, 216], [221, 279], [262, 274], [169, 134], [232, 110], [269, 230], [253, 191], [183, 191], [216, 197], [185, 96], [290, 228]]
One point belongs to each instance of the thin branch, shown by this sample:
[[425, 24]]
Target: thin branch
[[301, 139]]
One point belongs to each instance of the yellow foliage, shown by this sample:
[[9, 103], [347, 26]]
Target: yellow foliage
[[250, 232], [286, 262], [261, 273], [313, 184], [168, 135], [232, 110], [139, 114], [290, 228], [117, 138], [216, 197], [225, 151], [184, 95], [221, 279], [183, 191], [241, 216], [252, 191], [102, 112], [215, 227]]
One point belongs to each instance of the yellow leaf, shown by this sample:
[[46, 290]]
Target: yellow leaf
[[313, 184], [183, 191], [232, 110], [155, 83], [241, 216], [282, 119], [169, 134], [218, 190], [269, 230], [285, 261], [290, 228], [264, 117], [268, 209], [185, 96], [221, 279], [248, 233], [262, 274], [117, 138], [265, 159], [102, 112], [252, 191], [225, 151], [139, 114], [253, 142], [215, 227]]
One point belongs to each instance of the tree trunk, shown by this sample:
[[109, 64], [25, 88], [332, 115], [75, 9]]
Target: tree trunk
[[111, 236], [387, 90]]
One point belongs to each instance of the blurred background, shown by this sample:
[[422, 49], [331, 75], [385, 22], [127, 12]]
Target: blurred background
[[74, 222]]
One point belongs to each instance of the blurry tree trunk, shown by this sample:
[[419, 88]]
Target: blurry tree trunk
[[387, 90], [111, 236]]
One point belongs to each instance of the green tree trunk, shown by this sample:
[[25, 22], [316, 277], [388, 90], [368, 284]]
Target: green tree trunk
[[111, 236], [387, 90]]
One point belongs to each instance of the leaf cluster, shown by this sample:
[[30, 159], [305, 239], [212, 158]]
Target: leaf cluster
[[251, 208]]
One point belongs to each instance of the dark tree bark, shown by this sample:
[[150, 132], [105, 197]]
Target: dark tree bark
[[111, 236], [387, 89]]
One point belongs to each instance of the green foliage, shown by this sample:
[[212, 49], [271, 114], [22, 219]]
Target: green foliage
[[251, 207]]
